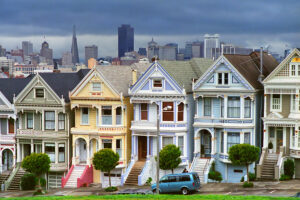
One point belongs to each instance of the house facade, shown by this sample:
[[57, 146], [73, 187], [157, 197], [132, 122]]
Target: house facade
[[281, 117], [228, 109], [102, 120]]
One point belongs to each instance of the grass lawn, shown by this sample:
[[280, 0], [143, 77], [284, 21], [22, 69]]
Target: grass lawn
[[164, 197]]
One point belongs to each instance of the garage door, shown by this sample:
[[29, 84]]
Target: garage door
[[54, 179], [297, 168]]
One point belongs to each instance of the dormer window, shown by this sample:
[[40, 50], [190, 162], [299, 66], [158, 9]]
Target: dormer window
[[39, 93], [223, 78], [157, 83], [295, 68], [96, 86]]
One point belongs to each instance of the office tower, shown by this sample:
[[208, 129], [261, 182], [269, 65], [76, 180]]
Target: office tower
[[167, 52], [46, 52], [2, 51], [188, 50], [67, 59], [27, 48], [175, 45], [125, 39], [142, 51], [152, 50], [74, 48], [196, 49], [6, 65], [91, 52], [229, 49], [210, 41]]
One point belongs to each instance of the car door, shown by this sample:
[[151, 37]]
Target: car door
[[163, 184], [172, 184]]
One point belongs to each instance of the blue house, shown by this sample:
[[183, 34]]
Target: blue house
[[229, 100]]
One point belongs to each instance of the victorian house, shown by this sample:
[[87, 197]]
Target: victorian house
[[163, 91], [102, 120], [281, 118], [229, 107], [44, 120]]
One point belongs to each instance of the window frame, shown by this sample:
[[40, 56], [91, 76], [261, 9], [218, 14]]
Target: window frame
[[96, 89], [32, 114], [248, 107], [143, 110], [222, 78], [181, 146], [120, 148], [161, 83], [204, 106], [59, 153], [106, 107], [60, 120], [247, 133], [54, 151], [280, 103], [167, 112], [104, 141], [88, 116], [49, 120], [119, 115], [166, 137], [39, 97], [228, 108], [180, 112], [229, 136]]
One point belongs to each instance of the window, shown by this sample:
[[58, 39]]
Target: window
[[106, 144], [293, 70], [37, 148], [247, 138], [119, 115], [172, 179], [164, 179], [168, 111], [85, 116], [29, 120], [293, 137], [97, 116], [49, 120], [39, 93], [220, 78], [106, 115], [166, 141], [50, 151], [247, 107], [119, 147], [207, 106], [11, 125], [223, 78], [222, 142], [181, 144], [96, 86], [61, 152], [144, 111], [61, 121], [222, 107], [157, 83], [293, 103], [184, 178], [233, 107], [238, 171], [180, 112], [276, 102], [232, 139]]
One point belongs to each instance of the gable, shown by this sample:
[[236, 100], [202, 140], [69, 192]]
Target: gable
[[156, 80], [222, 75], [95, 85], [29, 94], [4, 103]]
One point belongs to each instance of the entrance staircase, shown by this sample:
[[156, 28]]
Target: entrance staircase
[[76, 173], [16, 182], [200, 166], [136, 170], [268, 167], [4, 176]]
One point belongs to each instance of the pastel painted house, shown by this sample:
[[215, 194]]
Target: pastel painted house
[[160, 92], [281, 118], [229, 107]]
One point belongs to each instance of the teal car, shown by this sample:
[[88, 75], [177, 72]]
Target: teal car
[[184, 183]]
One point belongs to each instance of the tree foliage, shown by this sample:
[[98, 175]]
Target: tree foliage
[[243, 154], [106, 160], [289, 168], [169, 157], [36, 163]]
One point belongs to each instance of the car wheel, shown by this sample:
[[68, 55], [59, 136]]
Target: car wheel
[[154, 191], [185, 191]]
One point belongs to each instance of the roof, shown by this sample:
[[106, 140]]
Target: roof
[[62, 83], [249, 66], [185, 71], [11, 87]]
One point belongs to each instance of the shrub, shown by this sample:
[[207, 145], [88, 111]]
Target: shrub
[[252, 177], [248, 185], [270, 145], [149, 181], [215, 175], [28, 182], [169, 157], [111, 189], [43, 182], [289, 168], [284, 177]]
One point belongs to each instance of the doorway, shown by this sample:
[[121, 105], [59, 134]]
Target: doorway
[[27, 150], [7, 159], [279, 139], [205, 147], [142, 147]]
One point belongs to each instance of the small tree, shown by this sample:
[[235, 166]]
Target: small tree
[[36, 163], [243, 154], [169, 157], [106, 160], [289, 168]]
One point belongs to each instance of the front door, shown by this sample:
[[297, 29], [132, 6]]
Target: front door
[[27, 150], [206, 144], [142, 149], [83, 151], [279, 140], [7, 159]]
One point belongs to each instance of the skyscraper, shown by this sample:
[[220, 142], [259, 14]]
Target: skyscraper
[[125, 39], [91, 52], [27, 48], [47, 53], [210, 42], [74, 48]]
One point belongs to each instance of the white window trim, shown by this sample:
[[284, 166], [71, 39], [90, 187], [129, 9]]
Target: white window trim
[[161, 111], [81, 123], [250, 117], [34, 93], [157, 79], [223, 78], [297, 68], [183, 112], [211, 107], [32, 120], [276, 110], [92, 87]]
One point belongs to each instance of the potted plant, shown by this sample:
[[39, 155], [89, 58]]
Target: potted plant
[[270, 147], [202, 151]]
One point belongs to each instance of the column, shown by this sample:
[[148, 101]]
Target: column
[[18, 151], [0, 162], [284, 142], [225, 106], [266, 132], [296, 136], [88, 152], [132, 145], [14, 155], [148, 146], [43, 121], [43, 147], [242, 137], [225, 142], [213, 143], [114, 109], [265, 105], [22, 152], [32, 146], [56, 153], [56, 120], [100, 115], [242, 106]]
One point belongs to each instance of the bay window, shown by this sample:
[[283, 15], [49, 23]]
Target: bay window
[[50, 151], [49, 120], [119, 147], [106, 115], [232, 139], [207, 106], [247, 107], [180, 112], [61, 152], [84, 116], [144, 111], [168, 111], [181, 144], [29, 120], [234, 108], [61, 121], [276, 102], [106, 144]]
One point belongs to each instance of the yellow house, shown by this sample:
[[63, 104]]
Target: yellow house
[[102, 120]]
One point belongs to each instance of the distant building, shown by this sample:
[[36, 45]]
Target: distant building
[[2, 51], [47, 53], [125, 39], [210, 42], [17, 55], [142, 51], [91, 52], [74, 48], [129, 58], [6, 65], [67, 59], [230, 49], [27, 48], [188, 53], [196, 49], [167, 52], [152, 50]]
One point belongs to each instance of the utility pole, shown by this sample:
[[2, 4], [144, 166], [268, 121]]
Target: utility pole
[[157, 149]]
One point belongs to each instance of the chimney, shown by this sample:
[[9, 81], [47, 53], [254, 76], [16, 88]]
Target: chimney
[[92, 62], [134, 76], [261, 76]]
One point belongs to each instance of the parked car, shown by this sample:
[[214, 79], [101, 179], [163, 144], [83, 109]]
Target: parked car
[[184, 183]]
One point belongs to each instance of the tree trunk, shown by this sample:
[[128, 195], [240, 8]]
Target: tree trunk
[[109, 178], [172, 171], [247, 173]]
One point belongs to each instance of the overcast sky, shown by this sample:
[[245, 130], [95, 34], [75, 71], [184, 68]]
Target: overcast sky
[[250, 23]]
